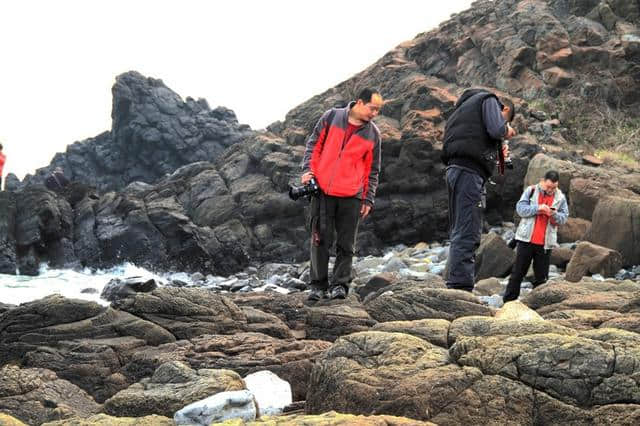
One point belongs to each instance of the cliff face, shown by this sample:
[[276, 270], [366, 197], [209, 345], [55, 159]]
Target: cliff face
[[197, 190]]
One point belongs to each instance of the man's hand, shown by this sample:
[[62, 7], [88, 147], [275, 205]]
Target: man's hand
[[505, 151], [365, 210], [511, 132], [544, 209], [306, 178]]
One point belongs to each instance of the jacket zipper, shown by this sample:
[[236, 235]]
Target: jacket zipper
[[344, 143]]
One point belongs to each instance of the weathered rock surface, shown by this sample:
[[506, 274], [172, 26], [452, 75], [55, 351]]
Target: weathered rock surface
[[335, 320], [616, 225], [7, 420], [586, 295], [575, 229], [405, 303], [493, 258], [593, 259], [244, 353], [105, 420], [37, 395], [434, 331], [329, 419], [172, 386]]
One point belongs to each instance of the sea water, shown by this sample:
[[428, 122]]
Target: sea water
[[17, 289]]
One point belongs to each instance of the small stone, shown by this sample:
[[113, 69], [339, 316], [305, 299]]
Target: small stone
[[197, 277], [394, 265], [89, 291], [592, 160]]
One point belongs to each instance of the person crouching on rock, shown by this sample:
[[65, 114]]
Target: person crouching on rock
[[343, 155], [472, 143], [56, 181], [542, 208]]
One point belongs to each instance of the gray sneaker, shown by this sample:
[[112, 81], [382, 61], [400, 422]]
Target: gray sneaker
[[315, 294], [338, 292]]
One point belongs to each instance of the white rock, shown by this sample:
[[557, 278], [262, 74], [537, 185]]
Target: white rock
[[271, 392], [218, 408]]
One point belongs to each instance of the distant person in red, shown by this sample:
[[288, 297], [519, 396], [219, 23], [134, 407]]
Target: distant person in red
[[3, 158], [542, 208], [343, 155]]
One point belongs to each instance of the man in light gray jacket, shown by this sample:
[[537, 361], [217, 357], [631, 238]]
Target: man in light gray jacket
[[542, 207]]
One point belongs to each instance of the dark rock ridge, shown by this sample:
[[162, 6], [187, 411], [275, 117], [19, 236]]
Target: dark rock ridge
[[153, 133], [194, 190]]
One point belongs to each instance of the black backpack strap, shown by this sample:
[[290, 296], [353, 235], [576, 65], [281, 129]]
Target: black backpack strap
[[531, 192]]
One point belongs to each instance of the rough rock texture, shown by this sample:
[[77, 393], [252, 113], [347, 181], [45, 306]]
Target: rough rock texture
[[593, 259], [153, 133], [172, 386], [402, 303], [243, 353], [616, 225], [330, 322], [575, 229], [7, 420], [493, 258], [588, 294], [434, 331], [328, 419], [37, 395], [105, 420]]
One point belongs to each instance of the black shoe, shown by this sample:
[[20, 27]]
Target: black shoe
[[315, 295], [338, 292]]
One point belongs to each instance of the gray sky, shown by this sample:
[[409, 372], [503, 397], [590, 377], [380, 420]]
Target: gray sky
[[259, 58]]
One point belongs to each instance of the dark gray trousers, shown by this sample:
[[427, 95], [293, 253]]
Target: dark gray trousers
[[466, 205], [330, 217]]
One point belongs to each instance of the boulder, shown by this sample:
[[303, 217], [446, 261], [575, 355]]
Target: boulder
[[335, 320], [118, 289], [400, 303], [8, 256], [488, 287], [581, 319], [186, 312], [561, 256], [501, 328], [593, 259], [218, 408], [7, 420], [272, 394], [37, 395], [563, 296], [365, 372], [244, 353], [172, 386], [493, 258], [376, 283], [54, 319], [616, 225], [434, 331], [517, 311], [574, 230]]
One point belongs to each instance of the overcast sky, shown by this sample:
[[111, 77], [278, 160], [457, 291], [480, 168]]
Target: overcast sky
[[60, 58]]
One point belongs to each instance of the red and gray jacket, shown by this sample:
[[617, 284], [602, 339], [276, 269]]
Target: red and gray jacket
[[344, 168]]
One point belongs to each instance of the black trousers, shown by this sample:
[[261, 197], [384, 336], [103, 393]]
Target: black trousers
[[333, 217], [466, 205], [525, 253]]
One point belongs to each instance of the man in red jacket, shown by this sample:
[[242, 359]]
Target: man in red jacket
[[343, 155], [3, 158]]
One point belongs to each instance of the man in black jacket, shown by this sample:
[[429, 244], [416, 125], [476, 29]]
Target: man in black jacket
[[472, 145]]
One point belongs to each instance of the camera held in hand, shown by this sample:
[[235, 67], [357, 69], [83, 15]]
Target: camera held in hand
[[310, 189], [508, 163]]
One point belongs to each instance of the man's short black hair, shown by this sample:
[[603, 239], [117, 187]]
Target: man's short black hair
[[552, 175], [1, 147], [366, 94], [512, 108]]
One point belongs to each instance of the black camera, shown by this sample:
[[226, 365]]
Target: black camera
[[310, 188]]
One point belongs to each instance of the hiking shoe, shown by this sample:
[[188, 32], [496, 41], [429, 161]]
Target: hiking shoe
[[338, 292], [315, 295]]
